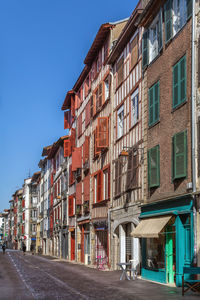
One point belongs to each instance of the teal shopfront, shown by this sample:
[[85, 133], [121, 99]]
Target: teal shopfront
[[166, 233]]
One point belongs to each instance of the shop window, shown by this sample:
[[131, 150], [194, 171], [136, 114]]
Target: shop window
[[154, 167], [179, 155], [179, 82], [120, 122], [154, 104], [134, 108], [155, 253]]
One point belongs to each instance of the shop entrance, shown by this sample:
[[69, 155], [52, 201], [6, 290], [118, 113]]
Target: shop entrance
[[170, 254]]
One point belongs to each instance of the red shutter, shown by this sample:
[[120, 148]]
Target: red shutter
[[86, 149], [67, 119], [73, 138], [73, 106], [109, 182], [102, 133], [77, 159], [91, 106], [79, 193], [79, 121], [67, 148], [86, 187], [71, 206], [87, 114], [97, 150]]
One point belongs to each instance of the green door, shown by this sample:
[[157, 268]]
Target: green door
[[169, 255]]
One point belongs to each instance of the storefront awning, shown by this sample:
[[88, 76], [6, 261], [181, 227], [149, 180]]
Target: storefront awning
[[150, 228]]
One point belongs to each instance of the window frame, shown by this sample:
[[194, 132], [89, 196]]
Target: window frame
[[119, 112], [132, 98]]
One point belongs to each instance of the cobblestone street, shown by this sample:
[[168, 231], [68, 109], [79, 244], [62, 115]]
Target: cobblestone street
[[38, 277]]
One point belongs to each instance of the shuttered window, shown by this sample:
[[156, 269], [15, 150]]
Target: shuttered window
[[102, 133], [73, 138], [120, 71], [132, 170], [77, 159], [71, 206], [98, 99], [154, 167], [79, 121], [67, 148], [86, 149], [86, 187], [67, 119], [179, 82], [154, 104], [79, 193], [179, 155], [134, 51], [118, 177], [73, 106], [145, 49], [87, 114], [97, 150]]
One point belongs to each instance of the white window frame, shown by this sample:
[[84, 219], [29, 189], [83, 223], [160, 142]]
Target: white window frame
[[153, 38], [120, 122], [134, 107]]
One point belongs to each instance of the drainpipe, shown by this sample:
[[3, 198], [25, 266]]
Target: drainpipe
[[194, 132]]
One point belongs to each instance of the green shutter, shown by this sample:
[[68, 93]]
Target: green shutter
[[179, 82], [189, 8], [145, 49], [160, 32], [168, 20], [182, 67], [180, 155], [154, 167], [156, 101], [151, 102]]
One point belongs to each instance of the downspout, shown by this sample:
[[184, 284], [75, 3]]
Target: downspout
[[194, 132]]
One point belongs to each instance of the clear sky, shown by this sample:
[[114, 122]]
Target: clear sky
[[42, 47]]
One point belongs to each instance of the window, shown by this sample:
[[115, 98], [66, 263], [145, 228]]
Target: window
[[179, 155], [102, 137], [177, 12], [152, 40], [71, 206], [154, 167], [132, 169], [179, 82], [95, 189], [98, 187], [106, 183], [107, 88], [120, 122], [120, 71], [134, 108], [155, 37], [154, 100]]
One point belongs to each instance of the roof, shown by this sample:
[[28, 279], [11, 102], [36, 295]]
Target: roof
[[81, 78], [67, 101], [46, 150], [36, 176], [56, 145], [125, 35], [98, 42]]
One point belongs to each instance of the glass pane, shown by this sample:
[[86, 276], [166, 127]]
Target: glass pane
[[155, 253]]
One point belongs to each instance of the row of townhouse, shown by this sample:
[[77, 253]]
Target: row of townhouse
[[123, 184]]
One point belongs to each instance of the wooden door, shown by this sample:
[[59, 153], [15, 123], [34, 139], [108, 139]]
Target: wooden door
[[72, 246]]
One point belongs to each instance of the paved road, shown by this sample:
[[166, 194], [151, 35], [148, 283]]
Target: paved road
[[37, 277]]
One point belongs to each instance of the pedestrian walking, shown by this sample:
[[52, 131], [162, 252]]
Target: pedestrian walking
[[4, 248], [24, 248]]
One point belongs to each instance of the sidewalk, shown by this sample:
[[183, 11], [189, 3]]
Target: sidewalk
[[137, 289]]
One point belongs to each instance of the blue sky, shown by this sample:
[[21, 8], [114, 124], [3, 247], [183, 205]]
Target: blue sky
[[42, 47]]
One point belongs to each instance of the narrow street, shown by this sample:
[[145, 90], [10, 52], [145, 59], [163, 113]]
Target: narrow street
[[37, 277]]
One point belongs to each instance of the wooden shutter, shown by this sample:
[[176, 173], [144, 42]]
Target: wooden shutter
[[79, 121], [97, 150], [86, 149], [180, 155], [73, 138], [91, 106], [145, 49], [175, 86], [120, 71], [73, 106], [179, 82], [87, 113], [103, 132], [86, 187], [134, 51], [154, 167], [156, 101], [109, 182], [77, 101], [151, 101], [77, 159], [67, 119], [168, 20], [182, 72], [71, 206], [67, 148], [79, 193], [99, 186], [132, 170]]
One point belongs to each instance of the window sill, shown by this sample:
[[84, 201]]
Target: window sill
[[178, 106], [154, 124]]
